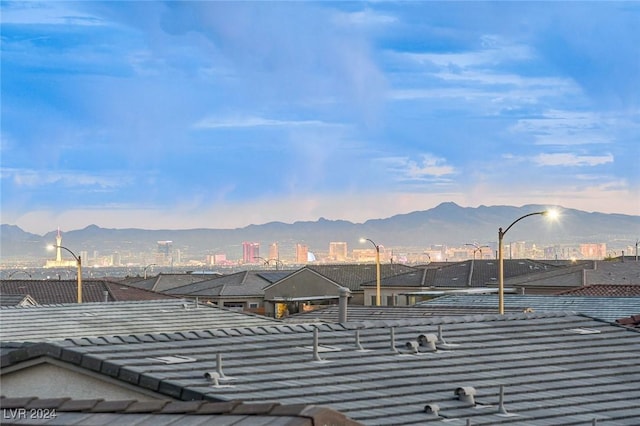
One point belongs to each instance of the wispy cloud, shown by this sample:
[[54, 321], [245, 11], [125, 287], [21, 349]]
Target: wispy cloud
[[427, 167], [254, 121], [69, 179], [572, 160]]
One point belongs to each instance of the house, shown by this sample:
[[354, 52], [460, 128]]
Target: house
[[518, 368], [315, 284]]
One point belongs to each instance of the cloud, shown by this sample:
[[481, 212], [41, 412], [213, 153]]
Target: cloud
[[70, 179], [428, 168], [252, 121], [572, 160]]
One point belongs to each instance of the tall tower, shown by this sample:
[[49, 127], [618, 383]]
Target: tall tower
[[250, 251], [58, 244]]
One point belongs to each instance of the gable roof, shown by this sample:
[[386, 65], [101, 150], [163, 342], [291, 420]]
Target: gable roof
[[243, 283], [556, 368], [352, 276], [605, 308], [49, 292], [16, 300], [41, 323]]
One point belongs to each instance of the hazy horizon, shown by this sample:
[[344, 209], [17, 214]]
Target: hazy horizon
[[184, 115]]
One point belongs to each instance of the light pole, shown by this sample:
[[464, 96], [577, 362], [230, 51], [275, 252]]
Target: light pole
[[501, 233], [147, 267], [79, 263], [362, 240], [476, 248]]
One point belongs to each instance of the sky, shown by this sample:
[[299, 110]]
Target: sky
[[181, 115]]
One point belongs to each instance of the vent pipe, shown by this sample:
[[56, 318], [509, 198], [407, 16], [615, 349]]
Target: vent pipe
[[219, 366], [316, 353], [413, 346], [393, 340], [358, 345], [466, 394], [213, 377], [428, 341], [344, 299], [501, 410], [441, 340], [105, 294], [432, 409]]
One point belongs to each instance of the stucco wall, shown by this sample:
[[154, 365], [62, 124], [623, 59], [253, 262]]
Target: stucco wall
[[52, 381]]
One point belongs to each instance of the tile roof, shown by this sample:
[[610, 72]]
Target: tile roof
[[353, 275], [48, 292], [244, 283], [555, 368], [16, 300], [605, 308], [330, 313], [607, 290], [612, 272], [65, 411], [38, 323]]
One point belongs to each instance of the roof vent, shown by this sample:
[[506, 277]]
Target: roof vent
[[173, 359], [213, 377], [432, 409], [392, 336], [466, 394], [413, 346], [358, 345], [428, 341]]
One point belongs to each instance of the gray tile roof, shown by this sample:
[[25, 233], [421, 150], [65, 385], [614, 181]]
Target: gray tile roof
[[66, 291], [330, 313], [40, 323], [606, 290], [244, 283], [353, 276], [605, 308], [65, 411], [614, 272], [556, 368]]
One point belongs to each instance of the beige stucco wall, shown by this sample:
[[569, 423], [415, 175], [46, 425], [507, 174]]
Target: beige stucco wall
[[52, 381]]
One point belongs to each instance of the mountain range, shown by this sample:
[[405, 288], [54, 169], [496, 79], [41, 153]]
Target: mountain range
[[447, 224]]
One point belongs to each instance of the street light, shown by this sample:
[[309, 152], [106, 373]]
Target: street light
[[79, 263], [552, 214], [147, 267], [363, 240], [476, 248]]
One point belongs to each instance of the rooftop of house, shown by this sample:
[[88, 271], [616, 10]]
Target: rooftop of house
[[47, 292], [352, 276], [244, 283], [541, 368], [39, 323], [604, 308], [65, 411], [606, 290]]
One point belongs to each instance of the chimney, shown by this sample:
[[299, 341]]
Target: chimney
[[342, 304]]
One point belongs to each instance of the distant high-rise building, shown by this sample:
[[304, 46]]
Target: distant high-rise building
[[302, 253], [593, 251], [250, 252], [163, 253], [59, 262], [274, 253], [338, 251]]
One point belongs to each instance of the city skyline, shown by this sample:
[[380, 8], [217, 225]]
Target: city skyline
[[182, 115]]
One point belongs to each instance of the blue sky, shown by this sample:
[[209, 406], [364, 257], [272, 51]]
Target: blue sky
[[175, 115]]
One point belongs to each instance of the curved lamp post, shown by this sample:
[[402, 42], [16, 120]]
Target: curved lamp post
[[377, 247], [476, 248], [501, 233], [79, 263], [147, 267]]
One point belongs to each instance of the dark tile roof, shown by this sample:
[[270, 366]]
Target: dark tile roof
[[173, 315], [632, 321], [604, 308], [65, 411], [614, 272], [353, 276], [606, 290], [555, 368], [48, 292], [244, 283], [16, 300]]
